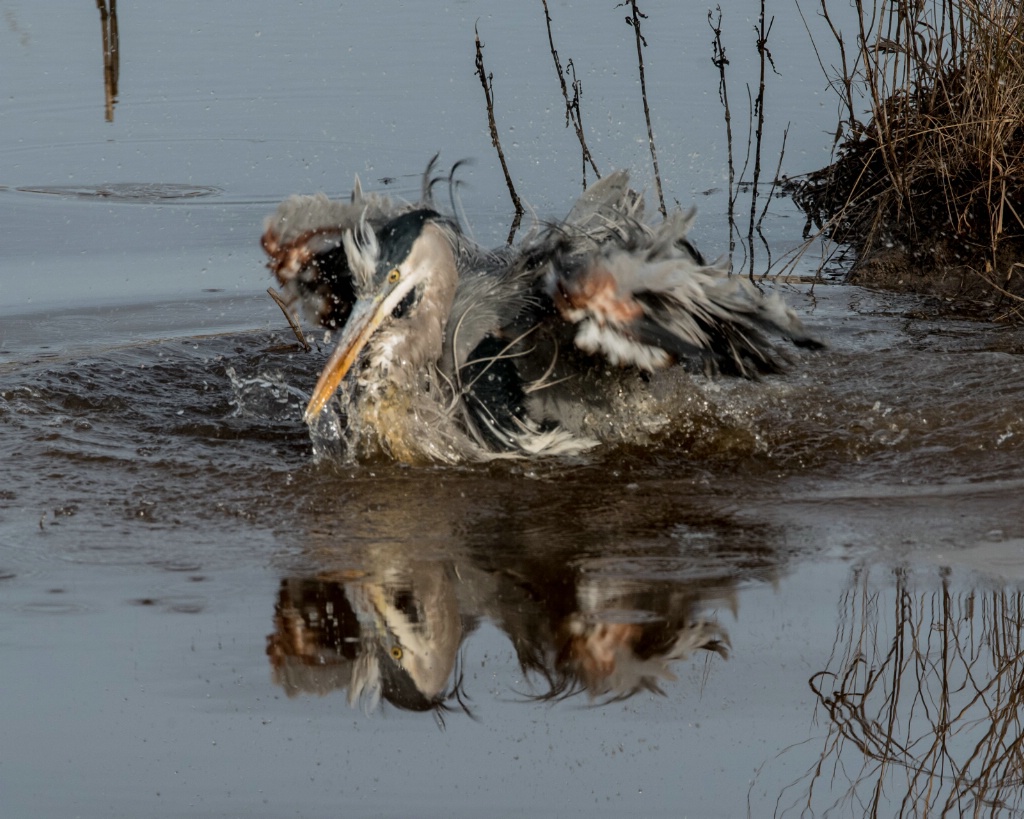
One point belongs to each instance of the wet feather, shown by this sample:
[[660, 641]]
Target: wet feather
[[499, 353]]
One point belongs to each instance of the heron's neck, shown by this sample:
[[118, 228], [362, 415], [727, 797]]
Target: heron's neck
[[401, 351], [399, 354]]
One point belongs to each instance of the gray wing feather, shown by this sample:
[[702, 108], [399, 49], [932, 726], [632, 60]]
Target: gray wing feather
[[644, 296]]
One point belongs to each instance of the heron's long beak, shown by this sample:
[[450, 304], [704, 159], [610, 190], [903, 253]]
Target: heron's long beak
[[366, 316]]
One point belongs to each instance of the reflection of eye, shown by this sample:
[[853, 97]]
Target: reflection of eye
[[396, 652], [394, 275]]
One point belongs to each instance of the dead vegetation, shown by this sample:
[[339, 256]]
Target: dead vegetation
[[755, 140], [739, 183], [929, 190], [920, 703]]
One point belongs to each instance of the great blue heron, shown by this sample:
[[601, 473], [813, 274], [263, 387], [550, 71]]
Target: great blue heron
[[449, 352]]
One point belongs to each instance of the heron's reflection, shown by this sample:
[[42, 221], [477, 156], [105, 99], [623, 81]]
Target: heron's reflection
[[402, 570], [612, 637], [397, 637], [394, 637]]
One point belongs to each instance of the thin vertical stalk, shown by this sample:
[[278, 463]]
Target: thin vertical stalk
[[487, 81], [634, 21], [572, 106]]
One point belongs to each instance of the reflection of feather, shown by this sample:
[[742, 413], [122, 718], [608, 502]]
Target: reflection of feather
[[365, 681], [607, 658]]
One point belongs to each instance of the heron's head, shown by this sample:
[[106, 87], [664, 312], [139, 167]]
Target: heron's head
[[403, 282]]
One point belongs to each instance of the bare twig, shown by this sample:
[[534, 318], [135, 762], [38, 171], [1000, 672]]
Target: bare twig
[[771, 195], [514, 227], [572, 106], [844, 78], [291, 319], [111, 54], [633, 20], [720, 61], [775, 179], [487, 81], [764, 56]]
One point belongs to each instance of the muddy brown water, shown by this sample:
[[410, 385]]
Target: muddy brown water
[[801, 596]]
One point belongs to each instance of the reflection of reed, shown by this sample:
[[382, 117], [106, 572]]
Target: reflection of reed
[[111, 53], [926, 719]]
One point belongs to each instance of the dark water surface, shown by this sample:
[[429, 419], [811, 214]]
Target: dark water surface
[[800, 595]]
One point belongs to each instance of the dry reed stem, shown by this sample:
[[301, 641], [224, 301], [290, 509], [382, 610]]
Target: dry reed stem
[[572, 106], [111, 54], [633, 20], [487, 81], [289, 316], [764, 55], [938, 166], [720, 61], [755, 137]]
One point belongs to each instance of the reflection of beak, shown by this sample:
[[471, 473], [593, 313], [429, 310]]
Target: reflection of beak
[[366, 316]]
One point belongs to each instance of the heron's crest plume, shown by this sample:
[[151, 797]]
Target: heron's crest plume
[[363, 252]]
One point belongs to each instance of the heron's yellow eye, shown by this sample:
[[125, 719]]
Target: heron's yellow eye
[[394, 275], [396, 651]]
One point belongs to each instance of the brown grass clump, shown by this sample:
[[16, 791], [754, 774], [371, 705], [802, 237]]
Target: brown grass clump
[[930, 190]]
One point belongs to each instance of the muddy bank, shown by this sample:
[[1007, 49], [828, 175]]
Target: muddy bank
[[927, 164], [956, 287]]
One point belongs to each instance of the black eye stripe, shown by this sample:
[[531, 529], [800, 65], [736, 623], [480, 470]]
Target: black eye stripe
[[405, 305]]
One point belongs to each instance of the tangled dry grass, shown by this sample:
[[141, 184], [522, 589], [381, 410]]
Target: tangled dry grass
[[921, 704], [929, 191]]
